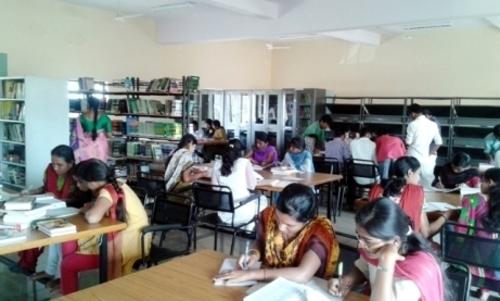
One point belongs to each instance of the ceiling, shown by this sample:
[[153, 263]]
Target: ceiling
[[361, 21]]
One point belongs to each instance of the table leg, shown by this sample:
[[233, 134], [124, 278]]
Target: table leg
[[103, 259], [329, 202]]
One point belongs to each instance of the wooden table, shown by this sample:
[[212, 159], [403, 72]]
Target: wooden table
[[184, 278], [36, 239], [447, 197], [308, 179]]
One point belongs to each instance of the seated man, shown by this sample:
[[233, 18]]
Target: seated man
[[456, 172]]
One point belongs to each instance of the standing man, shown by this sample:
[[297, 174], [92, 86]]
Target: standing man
[[492, 146], [318, 129], [421, 132]]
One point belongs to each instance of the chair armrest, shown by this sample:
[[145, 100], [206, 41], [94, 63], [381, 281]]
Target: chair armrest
[[251, 197], [164, 228]]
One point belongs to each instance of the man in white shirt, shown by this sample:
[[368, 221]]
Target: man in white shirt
[[363, 149], [421, 132]]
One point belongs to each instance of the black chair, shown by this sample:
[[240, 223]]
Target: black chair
[[332, 166], [474, 247], [459, 279], [364, 169], [218, 198], [171, 212], [348, 250]]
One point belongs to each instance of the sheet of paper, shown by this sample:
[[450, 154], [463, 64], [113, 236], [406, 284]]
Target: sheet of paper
[[438, 206], [283, 289], [465, 190], [485, 166]]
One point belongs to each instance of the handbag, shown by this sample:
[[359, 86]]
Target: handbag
[[85, 148]]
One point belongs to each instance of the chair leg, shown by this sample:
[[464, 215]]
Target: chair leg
[[215, 239], [232, 243], [195, 237]]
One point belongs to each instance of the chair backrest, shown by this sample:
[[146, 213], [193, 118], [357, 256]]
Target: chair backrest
[[171, 208], [471, 245], [141, 193], [328, 165], [348, 250], [363, 169], [213, 197], [150, 183], [459, 280]]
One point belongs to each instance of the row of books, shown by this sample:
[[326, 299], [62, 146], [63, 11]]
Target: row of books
[[153, 150], [13, 132], [12, 89], [172, 130], [15, 175], [12, 110], [167, 107], [165, 84]]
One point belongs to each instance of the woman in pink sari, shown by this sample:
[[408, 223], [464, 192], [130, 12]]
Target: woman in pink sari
[[398, 263]]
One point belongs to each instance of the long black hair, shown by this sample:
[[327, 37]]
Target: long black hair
[[64, 152], [95, 170], [385, 220], [94, 106], [298, 201], [185, 140], [492, 218], [231, 153], [403, 165]]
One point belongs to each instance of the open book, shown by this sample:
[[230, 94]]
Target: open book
[[283, 289], [438, 206], [229, 265]]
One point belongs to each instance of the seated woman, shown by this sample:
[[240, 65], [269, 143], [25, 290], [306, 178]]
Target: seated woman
[[411, 200], [263, 154], [292, 241], [219, 131], [237, 174], [397, 262], [58, 181], [456, 172], [180, 172], [118, 201], [297, 157], [483, 210]]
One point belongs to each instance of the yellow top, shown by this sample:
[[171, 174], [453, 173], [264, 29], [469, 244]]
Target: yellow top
[[136, 219]]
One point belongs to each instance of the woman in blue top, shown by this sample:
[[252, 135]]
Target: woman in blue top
[[298, 157]]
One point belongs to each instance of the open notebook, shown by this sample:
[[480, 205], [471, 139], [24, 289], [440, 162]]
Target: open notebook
[[283, 289], [229, 265]]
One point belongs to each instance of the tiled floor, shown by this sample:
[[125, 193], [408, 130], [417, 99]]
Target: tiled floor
[[16, 287]]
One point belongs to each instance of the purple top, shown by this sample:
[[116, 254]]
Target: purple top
[[260, 156]]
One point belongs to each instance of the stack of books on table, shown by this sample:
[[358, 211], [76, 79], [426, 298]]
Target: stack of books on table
[[10, 235], [56, 227], [21, 211]]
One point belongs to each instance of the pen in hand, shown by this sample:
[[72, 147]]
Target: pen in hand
[[247, 256]]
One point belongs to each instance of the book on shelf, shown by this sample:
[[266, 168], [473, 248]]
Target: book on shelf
[[14, 132], [11, 236], [56, 227], [20, 203], [13, 89], [229, 265]]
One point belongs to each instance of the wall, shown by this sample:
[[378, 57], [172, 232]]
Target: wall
[[458, 62], [53, 38]]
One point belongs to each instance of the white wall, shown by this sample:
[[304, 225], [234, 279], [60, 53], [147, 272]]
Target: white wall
[[52, 38], [458, 62]]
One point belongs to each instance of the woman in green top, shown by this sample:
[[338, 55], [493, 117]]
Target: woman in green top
[[95, 122], [318, 129]]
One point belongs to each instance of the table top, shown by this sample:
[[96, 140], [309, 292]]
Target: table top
[[36, 239], [308, 179], [446, 197], [184, 278]]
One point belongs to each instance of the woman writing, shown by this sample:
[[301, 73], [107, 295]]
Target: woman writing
[[397, 262], [292, 241], [263, 154], [297, 157], [118, 201], [180, 172], [237, 174], [411, 199]]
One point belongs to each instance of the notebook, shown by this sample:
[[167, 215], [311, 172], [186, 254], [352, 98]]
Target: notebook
[[231, 264], [10, 236], [56, 227], [283, 289], [20, 203]]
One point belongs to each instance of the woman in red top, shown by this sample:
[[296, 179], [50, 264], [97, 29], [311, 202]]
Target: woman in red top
[[411, 196], [58, 181]]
